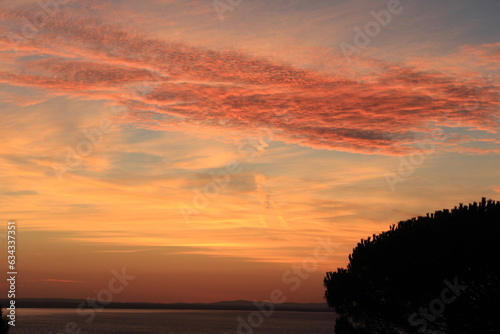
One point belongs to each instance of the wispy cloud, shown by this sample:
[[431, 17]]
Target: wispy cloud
[[20, 193], [55, 280], [381, 112]]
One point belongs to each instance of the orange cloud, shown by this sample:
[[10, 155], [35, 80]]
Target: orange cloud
[[383, 113]]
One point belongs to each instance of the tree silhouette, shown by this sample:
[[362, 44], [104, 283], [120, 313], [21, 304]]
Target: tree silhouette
[[401, 281]]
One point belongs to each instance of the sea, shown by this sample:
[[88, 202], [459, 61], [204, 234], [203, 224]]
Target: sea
[[129, 321]]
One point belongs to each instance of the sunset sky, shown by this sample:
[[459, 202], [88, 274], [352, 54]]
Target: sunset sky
[[209, 148]]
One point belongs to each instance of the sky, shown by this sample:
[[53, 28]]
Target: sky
[[220, 150]]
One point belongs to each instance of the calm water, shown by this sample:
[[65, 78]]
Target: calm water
[[38, 321]]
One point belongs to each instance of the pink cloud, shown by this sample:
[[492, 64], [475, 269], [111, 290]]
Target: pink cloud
[[385, 112]]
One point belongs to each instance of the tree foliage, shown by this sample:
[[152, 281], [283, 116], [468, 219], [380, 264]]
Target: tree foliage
[[394, 277]]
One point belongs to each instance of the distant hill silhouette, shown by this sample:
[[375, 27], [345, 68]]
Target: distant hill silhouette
[[433, 274], [4, 325], [223, 305]]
